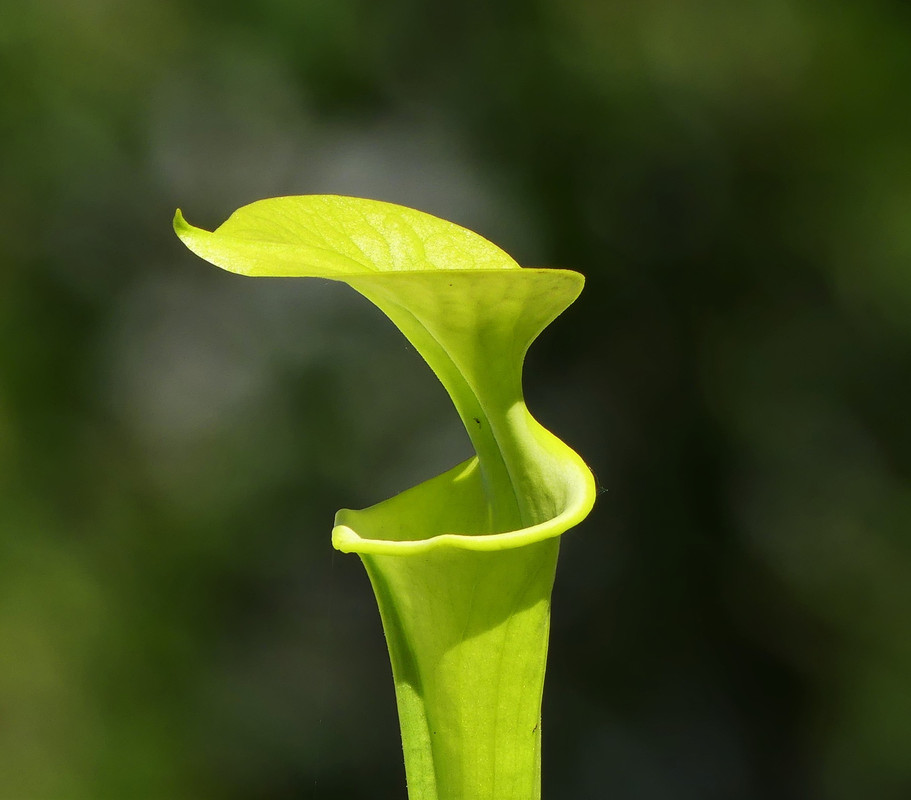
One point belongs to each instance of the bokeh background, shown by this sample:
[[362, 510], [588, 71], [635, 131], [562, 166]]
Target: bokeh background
[[734, 178]]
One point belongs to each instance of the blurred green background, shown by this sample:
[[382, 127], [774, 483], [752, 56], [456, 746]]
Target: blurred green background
[[734, 178]]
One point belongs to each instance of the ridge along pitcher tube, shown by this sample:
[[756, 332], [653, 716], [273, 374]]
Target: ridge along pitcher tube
[[463, 564]]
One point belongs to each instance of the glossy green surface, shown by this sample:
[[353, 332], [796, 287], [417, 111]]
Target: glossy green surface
[[463, 564]]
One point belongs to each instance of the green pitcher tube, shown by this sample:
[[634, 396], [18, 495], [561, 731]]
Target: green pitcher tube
[[463, 564]]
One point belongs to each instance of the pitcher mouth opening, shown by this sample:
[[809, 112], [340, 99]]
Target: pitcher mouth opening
[[452, 510]]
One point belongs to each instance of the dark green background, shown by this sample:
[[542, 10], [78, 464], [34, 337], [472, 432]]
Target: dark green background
[[734, 178]]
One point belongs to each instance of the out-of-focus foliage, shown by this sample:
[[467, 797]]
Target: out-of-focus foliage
[[735, 181]]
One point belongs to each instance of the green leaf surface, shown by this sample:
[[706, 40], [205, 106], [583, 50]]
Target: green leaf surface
[[328, 236], [463, 564]]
